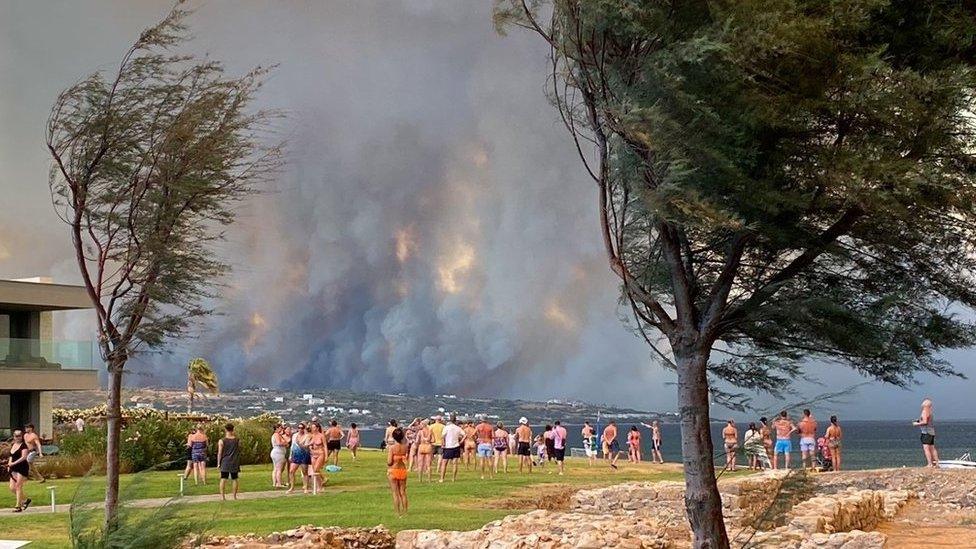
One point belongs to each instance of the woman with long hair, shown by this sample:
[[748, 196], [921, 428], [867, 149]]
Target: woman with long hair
[[396, 461], [316, 446], [300, 458], [634, 445], [834, 435], [500, 442], [410, 435], [352, 439], [19, 469], [198, 443], [425, 450], [279, 455]]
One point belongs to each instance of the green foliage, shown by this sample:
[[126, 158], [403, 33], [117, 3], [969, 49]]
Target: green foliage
[[165, 527], [148, 164], [157, 442]]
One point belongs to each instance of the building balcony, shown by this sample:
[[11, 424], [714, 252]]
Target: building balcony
[[48, 365]]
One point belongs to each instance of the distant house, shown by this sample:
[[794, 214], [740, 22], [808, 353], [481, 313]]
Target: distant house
[[33, 364], [314, 401], [279, 399], [354, 411], [307, 396], [365, 412], [144, 405]]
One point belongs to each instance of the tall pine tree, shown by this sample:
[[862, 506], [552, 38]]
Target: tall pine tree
[[778, 181]]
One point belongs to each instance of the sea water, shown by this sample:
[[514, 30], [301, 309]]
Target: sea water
[[866, 445]]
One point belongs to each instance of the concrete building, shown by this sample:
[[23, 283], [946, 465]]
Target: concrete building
[[33, 364]]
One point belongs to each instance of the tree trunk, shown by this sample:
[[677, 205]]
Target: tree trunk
[[703, 504], [114, 428], [189, 406]]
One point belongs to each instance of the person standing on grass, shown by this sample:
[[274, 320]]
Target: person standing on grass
[[808, 440], [550, 444], [611, 448], [453, 436], [559, 436], [352, 439], [926, 423], [752, 444], [484, 435], [500, 442], [655, 428], [229, 459], [316, 447], [589, 442], [189, 456], [437, 430], [730, 435], [333, 441], [425, 450], [279, 456], [834, 435], [523, 441], [199, 442], [396, 458], [19, 469], [300, 458], [785, 428], [410, 439], [767, 437], [470, 444], [634, 445], [33, 443]]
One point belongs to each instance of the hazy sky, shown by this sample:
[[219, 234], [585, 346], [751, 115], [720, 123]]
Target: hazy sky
[[432, 231]]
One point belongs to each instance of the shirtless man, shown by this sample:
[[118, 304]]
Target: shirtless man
[[611, 447], [926, 423], [34, 449], [470, 444], [523, 448], [808, 439], [730, 435], [333, 441], [589, 441], [655, 428], [484, 434], [784, 428]]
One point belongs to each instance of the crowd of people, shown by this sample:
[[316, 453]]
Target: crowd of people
[[439, 446], [766, 442]]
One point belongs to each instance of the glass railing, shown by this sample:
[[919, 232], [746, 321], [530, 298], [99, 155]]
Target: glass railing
[[55, 354]]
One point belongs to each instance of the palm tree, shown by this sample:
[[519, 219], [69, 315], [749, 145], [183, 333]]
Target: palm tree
[[199, 372]]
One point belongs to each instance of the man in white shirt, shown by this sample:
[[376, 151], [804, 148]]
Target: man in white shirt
[[451, 450]]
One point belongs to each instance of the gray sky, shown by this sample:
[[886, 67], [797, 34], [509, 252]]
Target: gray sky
[[432, 231]]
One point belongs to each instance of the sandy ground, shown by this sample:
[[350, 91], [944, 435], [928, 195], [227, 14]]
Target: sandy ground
[[918, 525]]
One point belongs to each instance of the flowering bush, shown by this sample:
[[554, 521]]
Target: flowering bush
[[151, 438]]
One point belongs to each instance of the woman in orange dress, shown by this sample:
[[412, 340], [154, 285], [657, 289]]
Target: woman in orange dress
[[396, 461], [316, 446]]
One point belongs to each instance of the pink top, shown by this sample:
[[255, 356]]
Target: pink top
[[559, 436]]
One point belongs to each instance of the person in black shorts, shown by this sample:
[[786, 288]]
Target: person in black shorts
[[228, 459]]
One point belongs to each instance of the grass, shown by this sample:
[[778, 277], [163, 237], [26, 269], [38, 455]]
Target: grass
[[356, 496]]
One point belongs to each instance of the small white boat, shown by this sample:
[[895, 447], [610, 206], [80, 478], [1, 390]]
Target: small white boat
[[964, 462]]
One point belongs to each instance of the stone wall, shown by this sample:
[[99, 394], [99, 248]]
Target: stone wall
[[550, 530]]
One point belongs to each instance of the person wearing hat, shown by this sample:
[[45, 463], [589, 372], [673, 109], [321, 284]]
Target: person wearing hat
[[523, 448]]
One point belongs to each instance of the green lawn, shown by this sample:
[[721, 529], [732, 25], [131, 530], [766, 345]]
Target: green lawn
[[356, 496]]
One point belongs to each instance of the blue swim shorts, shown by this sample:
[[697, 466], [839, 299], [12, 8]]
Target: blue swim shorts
[[783, 447], [485, 450], [808, 444]]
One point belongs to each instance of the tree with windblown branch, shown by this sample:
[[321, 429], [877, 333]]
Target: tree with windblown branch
[[777, 181], [199, 374], [148, 162]]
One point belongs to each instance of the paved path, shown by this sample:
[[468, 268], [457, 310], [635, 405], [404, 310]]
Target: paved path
[[38, 507]]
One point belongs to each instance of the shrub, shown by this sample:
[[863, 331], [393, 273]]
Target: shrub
[[152, 440]]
